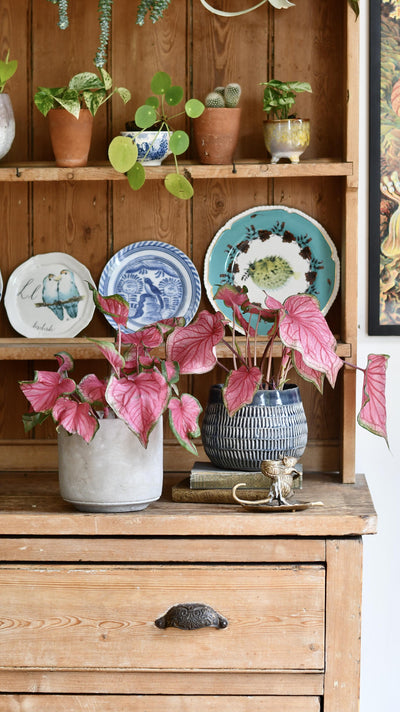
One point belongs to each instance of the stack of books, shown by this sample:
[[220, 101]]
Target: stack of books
[[208, 483]]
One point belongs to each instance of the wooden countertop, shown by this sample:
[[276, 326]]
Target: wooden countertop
[[30, 505]]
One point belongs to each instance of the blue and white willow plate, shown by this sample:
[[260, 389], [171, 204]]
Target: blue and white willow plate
[[275, 250], [158, 280]]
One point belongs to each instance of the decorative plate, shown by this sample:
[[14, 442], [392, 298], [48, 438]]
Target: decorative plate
[[158, 280], [276, 250], [48, 297]]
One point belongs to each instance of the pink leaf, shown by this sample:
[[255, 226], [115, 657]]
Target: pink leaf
[[235, 298], [372, 415], [184, 420], [309, 374], [139, 401], [65, 361], [170, 370], [76, 418], [193, 346], [112, 354], [149, 338], [114, 306], [240, 387], [92, 389], [44, 390], [303, 328]]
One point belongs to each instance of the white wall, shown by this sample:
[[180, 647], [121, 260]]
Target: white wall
[[380, 660]]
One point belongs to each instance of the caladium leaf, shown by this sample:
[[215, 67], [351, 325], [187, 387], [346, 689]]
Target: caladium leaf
[[65, 362], [93, 390], [47, 386], [309, 374], [149, 338], [240, 387], [114, 306], [193, 346], [184, 415], [139, 401], [303, 327], [76, 418], [170, 371], [31, 420], [235, 298], [112, 354], [372, 415]]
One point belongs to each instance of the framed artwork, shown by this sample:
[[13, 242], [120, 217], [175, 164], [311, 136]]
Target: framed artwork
[[384, 172]]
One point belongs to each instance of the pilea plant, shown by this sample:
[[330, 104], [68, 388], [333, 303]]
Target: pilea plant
[[123, 152], [224, 97]]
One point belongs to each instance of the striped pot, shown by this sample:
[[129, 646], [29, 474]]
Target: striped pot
[[272, 426]]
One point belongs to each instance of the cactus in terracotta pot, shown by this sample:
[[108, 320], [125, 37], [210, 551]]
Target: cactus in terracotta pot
[[216, 132], [224, 97]]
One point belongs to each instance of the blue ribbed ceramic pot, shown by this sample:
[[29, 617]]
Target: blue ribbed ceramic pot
[[272, 426]]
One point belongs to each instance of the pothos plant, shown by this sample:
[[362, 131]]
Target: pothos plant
[[140, 388], [7, 70], [123, 152]]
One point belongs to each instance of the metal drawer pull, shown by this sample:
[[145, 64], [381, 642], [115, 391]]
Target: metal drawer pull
[[190, 616]]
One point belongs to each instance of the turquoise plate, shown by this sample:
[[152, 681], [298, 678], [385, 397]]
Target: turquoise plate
[[272, 250]]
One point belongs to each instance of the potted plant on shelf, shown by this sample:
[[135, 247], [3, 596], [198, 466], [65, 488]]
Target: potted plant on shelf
[[285, 135], [216, 131], [70, 110], [7, 122], [253, 392], [110, 431], [123, 150]]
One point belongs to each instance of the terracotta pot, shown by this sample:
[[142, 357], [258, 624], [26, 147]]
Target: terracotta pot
[[286, 138], [70, 137], [216, 133]]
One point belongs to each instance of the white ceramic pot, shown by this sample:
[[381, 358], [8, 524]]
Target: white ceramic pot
[[7, 124], [112, 473]]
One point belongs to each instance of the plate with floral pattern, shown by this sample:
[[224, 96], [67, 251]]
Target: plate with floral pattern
[[157, 280], [272, 250], [48, 296]]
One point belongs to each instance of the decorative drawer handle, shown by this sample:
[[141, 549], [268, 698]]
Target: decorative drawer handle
[[190, 616]]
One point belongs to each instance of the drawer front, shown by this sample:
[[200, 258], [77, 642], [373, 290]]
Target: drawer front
[[153, 703], [63, 617]]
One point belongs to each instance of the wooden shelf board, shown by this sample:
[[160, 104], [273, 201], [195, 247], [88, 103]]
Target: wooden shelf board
[[22, 349], [48, 171]]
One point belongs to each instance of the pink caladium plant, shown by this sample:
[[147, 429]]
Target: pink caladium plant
[[140, 388], [308, 346]]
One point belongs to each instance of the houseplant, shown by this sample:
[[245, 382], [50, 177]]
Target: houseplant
[[123, 152], [308, 346], [216, 131], [285, 135], [70, 110], [7, 122], [105, 416]]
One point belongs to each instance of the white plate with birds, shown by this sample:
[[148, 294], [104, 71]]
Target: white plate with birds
[[48, 296], [272, 250]]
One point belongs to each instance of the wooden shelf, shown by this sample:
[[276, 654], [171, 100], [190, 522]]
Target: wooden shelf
[[21, 349], [48, 171]]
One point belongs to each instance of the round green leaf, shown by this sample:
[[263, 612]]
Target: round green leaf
[[178, 186], [145, 116], [174, 95], [136, 176], [179, 142], [122, 153], [194, 108], [160, 83], [152, 101]]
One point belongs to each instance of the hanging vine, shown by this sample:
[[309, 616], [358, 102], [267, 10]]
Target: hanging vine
[[155, 8]]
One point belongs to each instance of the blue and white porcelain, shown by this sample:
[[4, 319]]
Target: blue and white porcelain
[[276, 250], [153, 146], [157, 280]]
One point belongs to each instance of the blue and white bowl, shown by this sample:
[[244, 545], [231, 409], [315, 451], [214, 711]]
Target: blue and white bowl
[[153, 146]]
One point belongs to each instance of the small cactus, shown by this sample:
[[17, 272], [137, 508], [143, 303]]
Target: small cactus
[[220, 90], [232, 95], [214, 100]]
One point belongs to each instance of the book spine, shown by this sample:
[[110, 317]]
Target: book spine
[[253, 481]]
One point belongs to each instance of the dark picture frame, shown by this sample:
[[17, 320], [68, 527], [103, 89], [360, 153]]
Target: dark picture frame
[[384, 169]]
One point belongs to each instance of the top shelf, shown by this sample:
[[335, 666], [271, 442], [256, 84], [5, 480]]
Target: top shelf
[[48, 171]]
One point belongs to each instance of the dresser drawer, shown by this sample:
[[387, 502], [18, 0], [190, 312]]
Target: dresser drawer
[[104, 617], [153, 703]]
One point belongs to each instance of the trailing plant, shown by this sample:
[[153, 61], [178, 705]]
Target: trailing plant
[[140, 388], [279, 97], [7, 70], [224, 97], [85, 90], [308, 347], [123, 152]]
